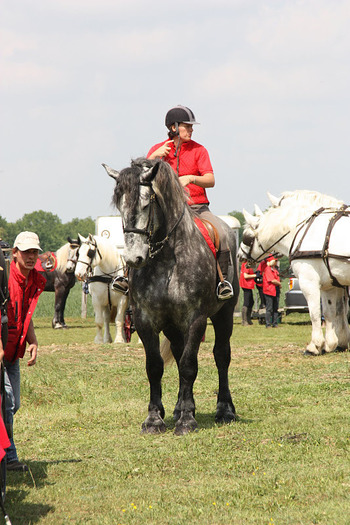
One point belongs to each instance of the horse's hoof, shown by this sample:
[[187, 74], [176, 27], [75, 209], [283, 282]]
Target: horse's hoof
[[57, 326], [225, 412], [228, 417], [307, 353], [157, 427], [183, 427], [341, 349]]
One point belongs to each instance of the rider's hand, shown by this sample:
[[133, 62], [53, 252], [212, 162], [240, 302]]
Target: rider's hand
[[163, 151]]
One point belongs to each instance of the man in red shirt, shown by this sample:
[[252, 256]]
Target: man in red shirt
[[25, 285], [271, 285], [191, 162], [247, 283]]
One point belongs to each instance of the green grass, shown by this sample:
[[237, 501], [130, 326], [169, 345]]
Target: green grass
[[285, 461]]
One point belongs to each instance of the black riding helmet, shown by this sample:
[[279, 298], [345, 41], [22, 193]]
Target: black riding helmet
[[179, 114]]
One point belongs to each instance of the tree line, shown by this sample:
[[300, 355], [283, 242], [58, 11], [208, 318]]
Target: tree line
[[48, 226]]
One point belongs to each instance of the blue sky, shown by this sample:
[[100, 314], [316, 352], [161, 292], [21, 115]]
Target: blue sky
[[86, 82]]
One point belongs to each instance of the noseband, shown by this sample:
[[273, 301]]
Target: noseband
[[148, 231]]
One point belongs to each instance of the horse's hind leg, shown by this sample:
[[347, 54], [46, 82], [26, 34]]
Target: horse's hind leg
[[335, 308], [223, 324]]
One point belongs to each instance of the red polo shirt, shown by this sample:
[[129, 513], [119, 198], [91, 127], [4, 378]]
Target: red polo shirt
[[270, 274], [243, 282], [193, 160], [22, 302]]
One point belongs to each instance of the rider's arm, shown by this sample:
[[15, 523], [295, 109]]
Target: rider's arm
[[207, 180]]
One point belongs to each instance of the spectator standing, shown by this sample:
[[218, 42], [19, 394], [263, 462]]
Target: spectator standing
[[271, 283], [259, 283], [247, 283], [25, 286]]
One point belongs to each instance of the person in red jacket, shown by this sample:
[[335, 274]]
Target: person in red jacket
[[25, 285], [271, 286], [246, 282], [191, 162]]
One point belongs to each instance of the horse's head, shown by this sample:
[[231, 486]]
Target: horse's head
[[72, 254], [249, 248], [140, 201], [89, 256]]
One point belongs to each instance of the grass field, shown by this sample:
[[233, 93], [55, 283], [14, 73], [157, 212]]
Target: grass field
[[285, 461]]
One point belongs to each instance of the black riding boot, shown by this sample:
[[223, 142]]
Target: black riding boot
[[224, 289]]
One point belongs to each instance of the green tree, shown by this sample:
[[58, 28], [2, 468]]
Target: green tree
[[46, 225], [82, 226], [239, 216]]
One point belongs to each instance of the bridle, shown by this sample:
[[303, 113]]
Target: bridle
[[154, 247], [91, 254], [265, 251]]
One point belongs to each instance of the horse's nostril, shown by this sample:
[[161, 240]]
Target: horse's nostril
[[139, 260]]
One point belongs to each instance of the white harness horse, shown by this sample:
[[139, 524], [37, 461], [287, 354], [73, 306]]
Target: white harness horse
[[101, 256], [313, 230]]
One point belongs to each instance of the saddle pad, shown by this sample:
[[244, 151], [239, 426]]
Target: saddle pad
[[205, 234], [39, 264]]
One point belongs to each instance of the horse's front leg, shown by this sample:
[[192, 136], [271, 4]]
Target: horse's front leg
[[154, 423], [310, 286], [106, 312], [335, 308], [188, 369], [223, 324], [120, 318]]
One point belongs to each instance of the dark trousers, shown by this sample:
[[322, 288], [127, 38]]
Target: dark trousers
[[271, 316], [261, 296], [248, 299]]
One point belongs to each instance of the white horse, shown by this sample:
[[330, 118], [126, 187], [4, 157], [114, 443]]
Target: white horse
[[100, 256], [318, 244]]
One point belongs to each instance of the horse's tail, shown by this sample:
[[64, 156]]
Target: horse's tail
[[165, 352]]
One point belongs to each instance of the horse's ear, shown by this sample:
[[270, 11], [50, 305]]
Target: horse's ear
[[81, 239], [149, 172], [111, 172], [90, 237], [275, 201], [257, 211], [74, 242], [250, 219]]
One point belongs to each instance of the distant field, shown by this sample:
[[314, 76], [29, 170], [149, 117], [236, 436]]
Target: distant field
[[285, 461]]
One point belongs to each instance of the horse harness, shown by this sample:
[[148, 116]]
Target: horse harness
[[297, 253], [324, 253], [105, 278], [154, 247]]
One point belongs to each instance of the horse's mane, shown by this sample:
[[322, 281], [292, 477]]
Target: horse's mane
[[108, 249], [295, 206], [62, 257], [166, 183]]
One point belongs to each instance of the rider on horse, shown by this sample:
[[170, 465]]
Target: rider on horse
[[191, 162]]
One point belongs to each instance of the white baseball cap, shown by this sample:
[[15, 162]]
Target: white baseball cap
[[27, 241]]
